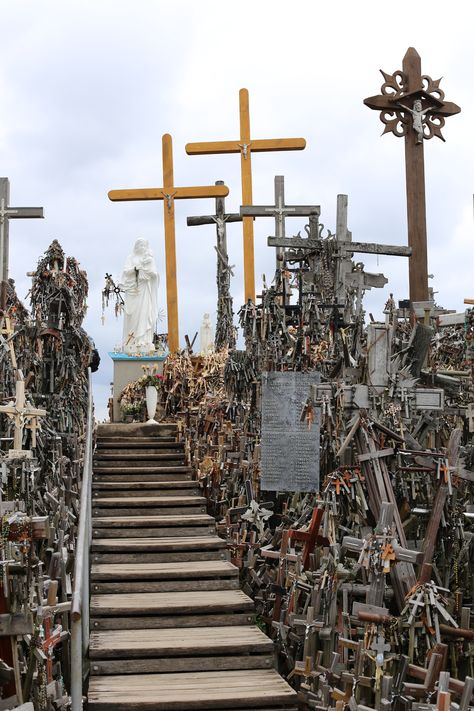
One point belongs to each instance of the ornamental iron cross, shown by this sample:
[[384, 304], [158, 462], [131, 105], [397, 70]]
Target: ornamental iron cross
[[412, 105]]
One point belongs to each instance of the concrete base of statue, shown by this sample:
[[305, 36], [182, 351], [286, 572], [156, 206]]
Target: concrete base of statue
[[127, 369]]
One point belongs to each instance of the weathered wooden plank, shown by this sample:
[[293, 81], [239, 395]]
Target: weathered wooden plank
[[158, 544], [164, 586], [149, 532], [164, 621], [167, 603], [109, 556], [175, 664], [153, 521], [164, 571], [163, 692], [208, 641], [143, 511]]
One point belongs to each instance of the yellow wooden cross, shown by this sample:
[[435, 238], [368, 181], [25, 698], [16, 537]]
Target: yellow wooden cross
[[246, 146], [169, 193]]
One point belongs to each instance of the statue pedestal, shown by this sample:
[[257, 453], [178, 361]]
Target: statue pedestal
[[127, 369]]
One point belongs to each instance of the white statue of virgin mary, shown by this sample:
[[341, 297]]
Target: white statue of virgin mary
[[140, 285]]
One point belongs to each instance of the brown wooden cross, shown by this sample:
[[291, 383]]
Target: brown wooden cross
[[412, 105], [246, 146], [311, 537], [169, 193]]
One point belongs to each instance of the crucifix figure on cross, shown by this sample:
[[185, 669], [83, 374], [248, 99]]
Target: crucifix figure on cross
[[23, 414], [169, 193], [412, 105], [225, 331], [8, 213], [280, 212], [246, 146]]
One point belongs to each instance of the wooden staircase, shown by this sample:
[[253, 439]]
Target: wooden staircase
[[170, 628]]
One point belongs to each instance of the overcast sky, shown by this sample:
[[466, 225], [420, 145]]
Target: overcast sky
[[88, 88]]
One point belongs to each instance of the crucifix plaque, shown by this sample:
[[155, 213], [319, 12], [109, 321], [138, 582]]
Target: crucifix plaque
[[412, 105], [290, 451]]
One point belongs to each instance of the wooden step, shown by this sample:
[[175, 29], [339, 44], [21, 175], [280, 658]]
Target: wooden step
[[187, 570], [105, 499], [176, 603], [139, 455], [177, 664], [152, 521], [155, 511], [159, 448], [196, 690], [164, 586], [169, 488], [134, 463], [167, 556], [138, 443], [148, 545], [167, 621], [170, 472], [112, 477], [208, 641]]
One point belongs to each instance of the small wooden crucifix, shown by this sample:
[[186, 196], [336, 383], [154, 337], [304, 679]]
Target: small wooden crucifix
[[225, 332], [23, 415], [6, 214], [280, 211], [169, 193], [412, 105], [246, 146]]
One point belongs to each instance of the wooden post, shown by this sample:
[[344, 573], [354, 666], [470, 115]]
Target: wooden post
[[415, 186]]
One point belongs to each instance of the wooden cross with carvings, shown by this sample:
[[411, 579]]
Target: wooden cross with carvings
[[6, 214], [245, 145], [310, 537], [412, 105], [169, 193]]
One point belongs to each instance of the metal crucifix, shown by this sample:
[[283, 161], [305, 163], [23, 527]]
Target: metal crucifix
[[8, 213], [412, 105], [280, 212], [246, 146], [225, 331]]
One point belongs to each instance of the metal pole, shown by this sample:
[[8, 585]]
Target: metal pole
[[80, 595]]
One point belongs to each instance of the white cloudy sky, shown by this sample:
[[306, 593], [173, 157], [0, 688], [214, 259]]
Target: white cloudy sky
[[88, 88]]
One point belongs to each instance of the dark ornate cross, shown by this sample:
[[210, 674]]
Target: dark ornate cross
[[225, 332], [412, 105]]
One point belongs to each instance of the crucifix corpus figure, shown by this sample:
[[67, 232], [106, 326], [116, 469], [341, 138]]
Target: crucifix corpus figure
[[412, 105]]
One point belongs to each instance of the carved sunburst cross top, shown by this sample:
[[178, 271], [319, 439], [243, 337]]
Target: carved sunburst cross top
[[411, 100]]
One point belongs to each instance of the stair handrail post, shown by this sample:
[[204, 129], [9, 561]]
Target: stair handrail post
[[81, 589]]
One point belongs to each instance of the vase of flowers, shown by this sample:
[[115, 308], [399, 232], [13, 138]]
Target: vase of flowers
[[152, 382]]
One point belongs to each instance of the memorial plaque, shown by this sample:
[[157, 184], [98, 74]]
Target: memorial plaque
[[290, 450]]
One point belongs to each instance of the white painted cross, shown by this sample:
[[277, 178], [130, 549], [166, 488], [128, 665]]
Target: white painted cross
[[23, 415]]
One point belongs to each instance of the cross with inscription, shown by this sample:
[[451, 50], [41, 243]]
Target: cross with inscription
[[280, 211], [6, 214], [246, 146], [169, 193], [412, 105], [225, 332]]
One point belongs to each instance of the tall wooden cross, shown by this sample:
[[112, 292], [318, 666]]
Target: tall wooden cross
[[169, 193], [8, 213], [225, 332], [280, 211], [245, 145], [412, 105]]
